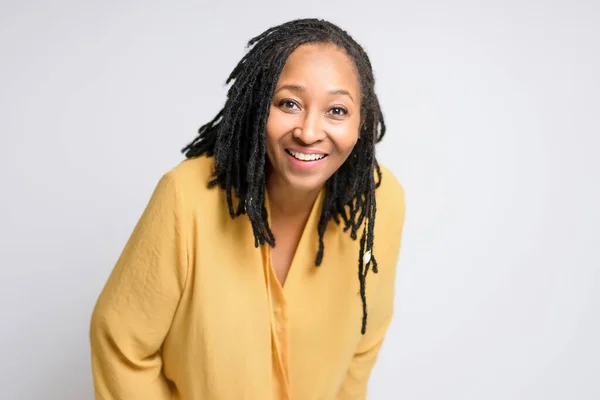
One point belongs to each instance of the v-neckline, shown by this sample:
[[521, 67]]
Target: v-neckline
[[309, 233]]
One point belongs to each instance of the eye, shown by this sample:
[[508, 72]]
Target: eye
[[289, 104], [339, 110]]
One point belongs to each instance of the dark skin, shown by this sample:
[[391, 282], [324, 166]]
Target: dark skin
[[315, 112]]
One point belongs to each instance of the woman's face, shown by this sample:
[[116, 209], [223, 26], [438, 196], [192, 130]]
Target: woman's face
[[314, 118]]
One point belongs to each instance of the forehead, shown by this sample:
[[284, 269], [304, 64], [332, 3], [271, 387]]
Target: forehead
[[319, 64]]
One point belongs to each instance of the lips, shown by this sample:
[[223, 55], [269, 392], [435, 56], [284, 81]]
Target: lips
[[306, 156]]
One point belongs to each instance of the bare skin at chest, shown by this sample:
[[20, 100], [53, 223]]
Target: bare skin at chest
[[288, 233], [288, 221]]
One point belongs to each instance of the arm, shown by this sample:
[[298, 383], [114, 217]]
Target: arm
[[355, 383], [134, 311], [381, 300]]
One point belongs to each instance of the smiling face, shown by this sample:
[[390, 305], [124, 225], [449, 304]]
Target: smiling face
[[314, 117]]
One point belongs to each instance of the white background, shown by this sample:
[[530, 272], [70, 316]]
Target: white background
[[492, 111]]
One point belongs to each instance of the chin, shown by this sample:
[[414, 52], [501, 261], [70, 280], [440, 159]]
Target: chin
[[306, 183]]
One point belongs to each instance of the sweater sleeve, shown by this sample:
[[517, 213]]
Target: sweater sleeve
[[134, 310], [381, 300]]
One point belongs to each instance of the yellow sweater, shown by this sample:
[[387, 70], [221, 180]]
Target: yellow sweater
[[193, 311]]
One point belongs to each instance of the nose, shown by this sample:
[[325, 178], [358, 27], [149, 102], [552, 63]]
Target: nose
[[311, 129]]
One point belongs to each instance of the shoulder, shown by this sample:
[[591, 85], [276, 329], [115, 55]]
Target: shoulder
[[191, 176], [192, 171], [390, 196], [185, 186]]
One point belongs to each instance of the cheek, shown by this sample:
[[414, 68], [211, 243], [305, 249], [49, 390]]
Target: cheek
[[278, 124], [272, 132], [277, 127], [345, 140]]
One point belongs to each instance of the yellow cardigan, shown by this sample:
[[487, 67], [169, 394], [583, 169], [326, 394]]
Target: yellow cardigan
[[193, 311]]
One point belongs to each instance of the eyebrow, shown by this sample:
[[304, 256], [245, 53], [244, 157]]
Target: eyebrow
[[302, 89]]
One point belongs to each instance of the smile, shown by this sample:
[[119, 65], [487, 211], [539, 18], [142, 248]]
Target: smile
[[306, 157]]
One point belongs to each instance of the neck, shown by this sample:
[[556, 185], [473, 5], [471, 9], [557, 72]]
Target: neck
[[288, 202]]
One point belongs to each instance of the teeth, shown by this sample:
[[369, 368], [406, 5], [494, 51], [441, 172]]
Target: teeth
[[306, 157]]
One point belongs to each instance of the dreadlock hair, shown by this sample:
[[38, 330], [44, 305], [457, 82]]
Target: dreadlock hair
[[236, 138]]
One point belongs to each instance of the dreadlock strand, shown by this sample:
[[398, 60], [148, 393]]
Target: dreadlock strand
[[361, 280]]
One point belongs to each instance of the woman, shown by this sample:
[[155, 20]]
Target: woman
[[239, 280]]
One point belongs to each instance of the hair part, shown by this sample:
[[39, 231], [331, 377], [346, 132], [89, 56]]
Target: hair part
[[236, 138]]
